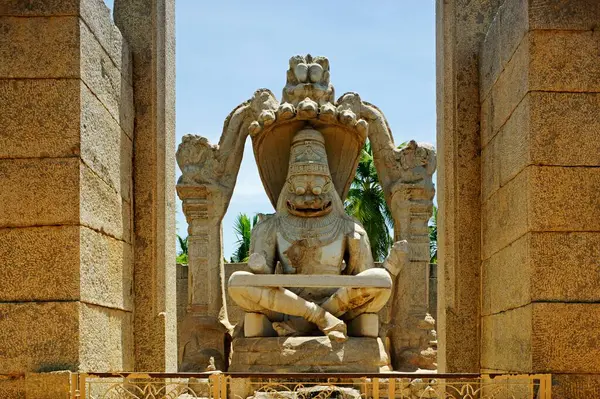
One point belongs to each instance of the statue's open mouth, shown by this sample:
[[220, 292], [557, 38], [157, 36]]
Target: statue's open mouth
[[305, 210]]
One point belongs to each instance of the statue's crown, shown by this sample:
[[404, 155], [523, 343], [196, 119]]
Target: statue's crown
[[308, 154]]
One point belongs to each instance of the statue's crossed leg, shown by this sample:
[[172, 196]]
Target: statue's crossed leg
[[348, 302]]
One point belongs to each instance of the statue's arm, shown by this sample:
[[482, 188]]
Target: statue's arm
[[358, 251], [263, 247]]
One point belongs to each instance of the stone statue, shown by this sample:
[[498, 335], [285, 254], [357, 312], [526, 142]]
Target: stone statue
[[310, 234], [313, 297]]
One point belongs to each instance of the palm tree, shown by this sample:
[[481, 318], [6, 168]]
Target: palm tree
[[243, 229], [182, 257], [366, 203], [433, 236]]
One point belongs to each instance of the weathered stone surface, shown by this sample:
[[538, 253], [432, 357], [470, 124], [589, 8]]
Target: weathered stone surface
[[106, 275], [505, 215], [564, 266], [31, 109], [39, 192], [39, 8], [328, 281], [47, 385], [563, 128], [42, 336], [565, 386], [570, 203], [101, 75], [508, 28], [514, 24], [513, 21], [308, 354], [537, 108], [105, 148], [560, 61], [140, 23], [96, 16], [365, 325], [53, 42], [507, 340], [490, 168], [528, 202], [546, 128], [101, 208], [508, 91], [513, 149], [235, 314], [543, 337], [542, 266], [36, 385], [461, 28], [258, 325], [564, 61], [490, 61], [564, 15], [507, 278], [105, 339], [12, 387], [39, 263], [182, 295], [565, 337]]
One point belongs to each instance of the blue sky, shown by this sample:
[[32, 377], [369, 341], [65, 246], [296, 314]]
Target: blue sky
[[384, 50]]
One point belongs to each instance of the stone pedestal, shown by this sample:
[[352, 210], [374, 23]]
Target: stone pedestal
[[308, 355]]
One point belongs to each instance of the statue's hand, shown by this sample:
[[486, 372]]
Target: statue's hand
[[258, 264], [397, 258]]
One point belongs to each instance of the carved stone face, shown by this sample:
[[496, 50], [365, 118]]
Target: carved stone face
[[309, 191], [309, 195]]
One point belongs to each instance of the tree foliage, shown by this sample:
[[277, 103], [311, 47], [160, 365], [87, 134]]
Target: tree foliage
[[243, 230], [366, 203], [433, 236], [182, 256]]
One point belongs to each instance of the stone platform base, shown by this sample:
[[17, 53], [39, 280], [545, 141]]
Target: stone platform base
[[309, 354]]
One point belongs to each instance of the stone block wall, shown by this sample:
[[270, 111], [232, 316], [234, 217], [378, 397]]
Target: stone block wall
[[519, 151], [66, 201], [540, 152], [182, 292]]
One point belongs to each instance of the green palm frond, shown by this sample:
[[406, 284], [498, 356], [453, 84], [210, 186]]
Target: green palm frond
[[243, 230], [433, 236], [366, 203], [182, 256], [183, 244]]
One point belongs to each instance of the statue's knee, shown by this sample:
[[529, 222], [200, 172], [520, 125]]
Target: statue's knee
[[380, 275], [236, 276], [384, 294], [236, 293]]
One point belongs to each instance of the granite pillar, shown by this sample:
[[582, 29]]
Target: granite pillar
[[149, 27]]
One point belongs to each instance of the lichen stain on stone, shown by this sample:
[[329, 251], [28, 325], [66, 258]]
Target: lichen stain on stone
[[50, 367], [303, 254]]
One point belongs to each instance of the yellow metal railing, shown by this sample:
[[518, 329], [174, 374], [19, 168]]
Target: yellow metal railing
[[309, 386]]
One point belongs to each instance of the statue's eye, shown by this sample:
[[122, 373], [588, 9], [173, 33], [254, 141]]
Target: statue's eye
[[300, 190], [317, 190]]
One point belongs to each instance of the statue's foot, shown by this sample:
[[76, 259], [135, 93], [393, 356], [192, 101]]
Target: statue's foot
[[283, 329], [293, 327], [334, 328]]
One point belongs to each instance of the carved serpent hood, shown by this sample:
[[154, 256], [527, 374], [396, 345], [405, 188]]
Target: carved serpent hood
[[307, 104]]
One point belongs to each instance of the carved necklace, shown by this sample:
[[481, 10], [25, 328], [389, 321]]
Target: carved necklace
[[320, 231]]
